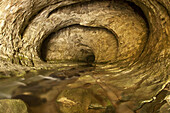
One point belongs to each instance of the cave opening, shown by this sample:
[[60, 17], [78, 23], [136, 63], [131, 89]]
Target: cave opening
[[43, 48], [88, 56], [79, 43]]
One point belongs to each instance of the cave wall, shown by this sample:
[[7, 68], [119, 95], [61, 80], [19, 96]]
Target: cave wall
[[136, 38], [25, 25]]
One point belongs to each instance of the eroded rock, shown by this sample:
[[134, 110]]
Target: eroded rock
[[132, 36]]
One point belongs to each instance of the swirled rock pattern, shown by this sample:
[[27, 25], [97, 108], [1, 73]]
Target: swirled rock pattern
[[128, 27], [130, 36], [77, 43]]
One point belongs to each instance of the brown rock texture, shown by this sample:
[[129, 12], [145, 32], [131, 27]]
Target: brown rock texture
[[130, 36], [12, 106]]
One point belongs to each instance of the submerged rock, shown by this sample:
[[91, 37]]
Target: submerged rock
[[12, 106]]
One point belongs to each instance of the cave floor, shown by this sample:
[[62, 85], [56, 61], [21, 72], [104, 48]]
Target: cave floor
[[77, 88]]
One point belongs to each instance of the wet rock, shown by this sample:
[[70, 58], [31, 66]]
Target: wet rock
[[73, 72], [110, 109], [83, 100], [167, 98], [165, 108], [123, 108], [12, 106], [66, 102], [59, 75], [132, 36], [96, 106]]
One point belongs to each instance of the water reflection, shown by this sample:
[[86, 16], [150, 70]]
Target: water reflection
[[74, 89], [7, 86], [40, 90]]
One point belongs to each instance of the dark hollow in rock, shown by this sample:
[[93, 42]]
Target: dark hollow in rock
[[31, 100], [77, 42], [90, 59]]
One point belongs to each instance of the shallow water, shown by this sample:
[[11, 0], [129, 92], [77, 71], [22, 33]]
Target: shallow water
[[40, 89], [72, 88]]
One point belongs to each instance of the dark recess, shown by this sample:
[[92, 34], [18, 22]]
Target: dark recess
[[43, 46], [31, 100], [43, 49]]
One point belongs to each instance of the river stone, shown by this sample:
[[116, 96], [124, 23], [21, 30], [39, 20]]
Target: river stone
[[83, 100], [12, 106]]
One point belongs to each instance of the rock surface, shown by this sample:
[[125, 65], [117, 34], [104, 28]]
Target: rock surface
[[130, 36], [12, 106]]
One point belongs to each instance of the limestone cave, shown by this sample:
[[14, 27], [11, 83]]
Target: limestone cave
[[84, 56]]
